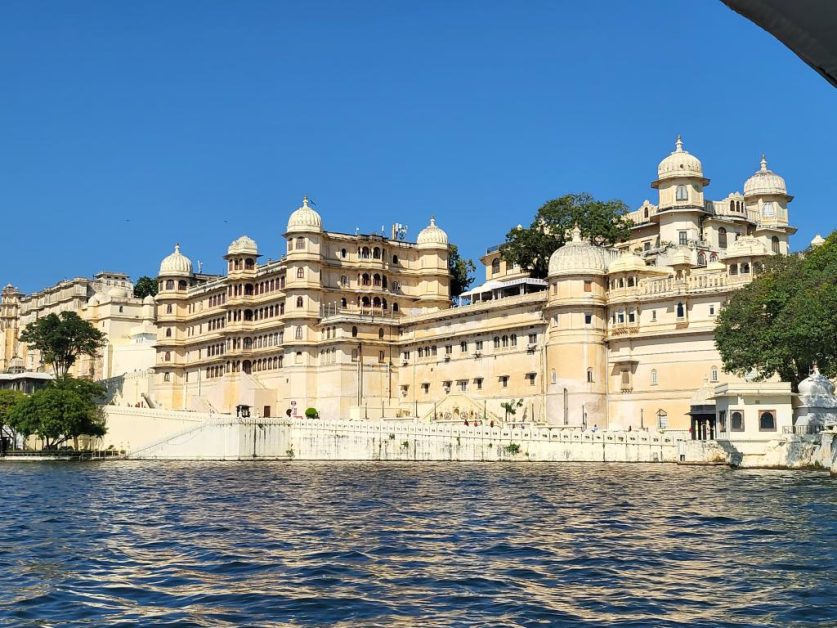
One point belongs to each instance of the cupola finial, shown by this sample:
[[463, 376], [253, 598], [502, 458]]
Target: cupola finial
[[177, 247], [305, 201], [678, 144], [763, 163]]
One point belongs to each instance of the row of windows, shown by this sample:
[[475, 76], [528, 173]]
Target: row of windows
[[253, 289], [767, 421], [238, 264], [262, 313], [216, 299], [214, 350], [503, 342], [328, 356]]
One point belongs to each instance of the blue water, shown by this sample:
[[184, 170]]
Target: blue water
[[365, 544]]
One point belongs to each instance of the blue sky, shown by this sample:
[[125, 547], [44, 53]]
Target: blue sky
[[127, 127]]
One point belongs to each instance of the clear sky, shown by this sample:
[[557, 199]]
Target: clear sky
[[129, 126]]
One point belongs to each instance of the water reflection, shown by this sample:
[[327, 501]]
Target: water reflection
[[383, 544]]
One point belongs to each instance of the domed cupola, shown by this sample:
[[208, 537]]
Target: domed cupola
[[305, 219], [243, 246], [579, 257], [176, 265], [679, 164], [432, 236], [627, 262], [765, 182]]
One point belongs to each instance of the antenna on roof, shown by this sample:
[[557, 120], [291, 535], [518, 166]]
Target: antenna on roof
[[200, 267]]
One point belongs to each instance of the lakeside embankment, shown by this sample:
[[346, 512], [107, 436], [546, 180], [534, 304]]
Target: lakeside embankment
[[170, 435]]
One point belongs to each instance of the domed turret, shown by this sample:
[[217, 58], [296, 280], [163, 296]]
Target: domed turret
[[817, 240], [305, 219], [765, 182], [579, 257], [118, 293], [627, 262], [176, 264], [243, 246], [432, 236], [680, 163]]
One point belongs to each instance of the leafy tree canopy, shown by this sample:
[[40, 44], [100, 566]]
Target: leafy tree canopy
[[461, 271], [145, 286], [8, 400], [62, 338], [64, 410], [603, 222], [785, 321]]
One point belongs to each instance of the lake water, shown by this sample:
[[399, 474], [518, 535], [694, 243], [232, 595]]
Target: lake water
[[360, 544]]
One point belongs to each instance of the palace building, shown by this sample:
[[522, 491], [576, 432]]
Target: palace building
[[363, 326]]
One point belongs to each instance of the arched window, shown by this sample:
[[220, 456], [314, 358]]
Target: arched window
[[354, 332], [364, 252], [775, 243], [343, 302], [167, 377], [381, 333], [653, 377], [701, 259], [300, 243], [300, 273], [376, 253], [344, 281], [589, 376], [249, 264], [169, 308], [768, 209], [170, 284], [722, 238], [365, 279], [384, 303], [376, 302], [365, 302], [248, 343], [732, 205], [682, 193], [662, 419], [167, 356], [767, 421], [495, 267], [168, 332], [343, 253], [646, 213], [394, 307], [248, 290], [681, 311], [745, 268], [299, 302], [554, 375], [182, 285], [384, 282], [298, 334], [394, 259], [505, 341], [514, 340], [736, 423], [376, 280], [713, 374], [496, 342]]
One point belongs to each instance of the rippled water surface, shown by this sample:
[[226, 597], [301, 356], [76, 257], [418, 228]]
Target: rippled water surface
[[423, 544]]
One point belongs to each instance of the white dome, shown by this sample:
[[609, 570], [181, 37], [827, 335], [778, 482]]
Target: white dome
[[579, 257], [176, 264], [765, 182], [305, 219], [149, 300], [817, 240], [118, 293], [243, 246], [432, 236], [627, 262], [816, 385], [680, 163]]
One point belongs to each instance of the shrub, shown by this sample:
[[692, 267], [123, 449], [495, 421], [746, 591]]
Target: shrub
[[312, 413]]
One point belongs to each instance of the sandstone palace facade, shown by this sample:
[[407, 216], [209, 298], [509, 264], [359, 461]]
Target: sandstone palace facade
[[363, 325]]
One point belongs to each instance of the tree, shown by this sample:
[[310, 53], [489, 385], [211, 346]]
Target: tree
[[511, 407], [785, 321], [64, 410], [8, 400], [603, 222], [62, 338], [461, 269], [145, 286]]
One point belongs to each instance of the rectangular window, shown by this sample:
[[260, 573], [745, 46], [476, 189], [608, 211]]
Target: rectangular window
[[682, 193], [380, 356], [463, 347], [631, 316], [504, 381], [588, 319], [478, 382], [463, 385], [530, 378], [533, 339], [722, 421], [711, 310], [479, 345], [682, 237], [653, 315], [448, 349], [588, 286], [425, 388]]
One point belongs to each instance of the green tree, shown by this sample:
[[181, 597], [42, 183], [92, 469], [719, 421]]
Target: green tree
[[461, 271], [64, 410], [603, 222], [511, 407], [145, 286], [61, 339], [8, 400], [785, 321]]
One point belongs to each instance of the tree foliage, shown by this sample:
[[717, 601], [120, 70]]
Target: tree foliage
[[785, 321], [61, 339], [461, 271], [64, 410], [8, 400], [145, 286], [603, 222]]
